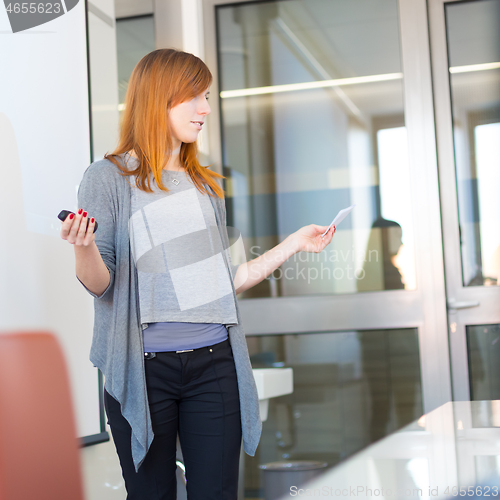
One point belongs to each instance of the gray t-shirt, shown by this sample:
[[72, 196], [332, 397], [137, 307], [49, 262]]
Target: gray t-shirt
[[177, 251]]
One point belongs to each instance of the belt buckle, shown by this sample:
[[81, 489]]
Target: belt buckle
[[185, 350]]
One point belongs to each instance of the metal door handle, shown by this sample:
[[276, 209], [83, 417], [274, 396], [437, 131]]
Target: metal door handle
[[461, 305]]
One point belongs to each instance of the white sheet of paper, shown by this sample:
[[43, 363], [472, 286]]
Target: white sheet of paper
[[339, 218]]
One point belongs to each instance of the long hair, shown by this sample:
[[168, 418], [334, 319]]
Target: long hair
[[161, 80]]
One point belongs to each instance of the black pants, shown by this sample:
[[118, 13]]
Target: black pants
[[194, 394]]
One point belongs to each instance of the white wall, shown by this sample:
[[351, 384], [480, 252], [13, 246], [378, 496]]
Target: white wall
[[45, 144], [44, 139]]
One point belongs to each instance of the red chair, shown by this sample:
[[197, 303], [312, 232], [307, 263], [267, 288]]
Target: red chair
[[39, 452]]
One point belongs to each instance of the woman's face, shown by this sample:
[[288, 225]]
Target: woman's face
[[187, 118]]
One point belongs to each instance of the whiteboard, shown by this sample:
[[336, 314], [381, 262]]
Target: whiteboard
[[45, 148]]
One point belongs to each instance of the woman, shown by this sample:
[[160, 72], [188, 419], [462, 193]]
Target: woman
[[167, 332]]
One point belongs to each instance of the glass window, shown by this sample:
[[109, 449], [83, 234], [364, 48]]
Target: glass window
[[486, 467], [313, 121], [483, 347], [135, 37], [350, 389], [474, 60]]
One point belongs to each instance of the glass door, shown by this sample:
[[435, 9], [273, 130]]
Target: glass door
[[321, 104], [465, 43]]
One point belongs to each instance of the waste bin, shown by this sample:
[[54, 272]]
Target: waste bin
[[279, 477]]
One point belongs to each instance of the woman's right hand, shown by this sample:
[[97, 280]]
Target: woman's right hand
[[74, 229]]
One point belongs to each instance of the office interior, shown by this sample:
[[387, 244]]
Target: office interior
[[389, 105]]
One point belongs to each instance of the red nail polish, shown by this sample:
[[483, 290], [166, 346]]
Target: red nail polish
[[80, 211], [84, 214], [71, 216], [92, 220]]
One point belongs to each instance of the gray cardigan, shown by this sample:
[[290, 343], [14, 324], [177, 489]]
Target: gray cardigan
[[117, 348]]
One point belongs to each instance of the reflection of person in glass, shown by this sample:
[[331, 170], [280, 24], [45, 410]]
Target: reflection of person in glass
[[380, 270], [383, 351], [167, 332]]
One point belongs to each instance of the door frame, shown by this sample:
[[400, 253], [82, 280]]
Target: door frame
[[475, 305]]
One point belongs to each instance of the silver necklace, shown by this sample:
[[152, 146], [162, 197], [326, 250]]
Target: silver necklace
[[174, 180]]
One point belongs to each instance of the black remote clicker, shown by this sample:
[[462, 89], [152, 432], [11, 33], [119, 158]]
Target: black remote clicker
[[64, 213]]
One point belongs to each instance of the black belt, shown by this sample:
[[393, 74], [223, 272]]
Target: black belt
[[151, 355]]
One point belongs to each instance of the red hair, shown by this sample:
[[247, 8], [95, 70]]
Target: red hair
[[161, 80]]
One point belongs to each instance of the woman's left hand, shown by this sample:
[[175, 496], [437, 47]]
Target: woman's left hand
[[308, 238]]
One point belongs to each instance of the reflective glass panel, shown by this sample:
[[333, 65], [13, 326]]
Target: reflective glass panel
[[135, 37], [312, 122], [474, 59], [350, 389], [483, 347], [487, 467]]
